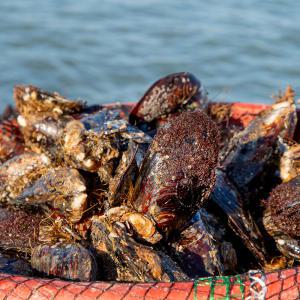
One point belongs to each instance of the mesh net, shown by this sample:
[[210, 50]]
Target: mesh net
[[283, 284]]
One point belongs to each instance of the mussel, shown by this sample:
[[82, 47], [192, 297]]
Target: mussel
[[201, 249], [178, 172], [65, 260], [124, 259], [169, 95], [282, 217], [243, 162]]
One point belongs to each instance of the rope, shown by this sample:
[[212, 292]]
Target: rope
[[258, 286]]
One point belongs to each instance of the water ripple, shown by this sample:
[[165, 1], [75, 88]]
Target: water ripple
[[113, 50]]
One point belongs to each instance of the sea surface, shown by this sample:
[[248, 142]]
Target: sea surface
[[113, 50]]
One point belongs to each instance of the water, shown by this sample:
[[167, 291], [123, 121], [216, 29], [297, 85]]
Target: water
[[112, 50]]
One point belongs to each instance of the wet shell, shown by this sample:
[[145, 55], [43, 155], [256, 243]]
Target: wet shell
[[99, 149], [287, 245], [290, 160], [61, 188], [281, 218], [123, 259], [122, 183], [229, 200], [19, 171], [143, 228], [15, 266], [178, 172], [43, 135], [65, 260], [284, 207], [166, 96], [99, 118], [250, 149], [201, 249], [11, 140], [31, 101], [89, 151]]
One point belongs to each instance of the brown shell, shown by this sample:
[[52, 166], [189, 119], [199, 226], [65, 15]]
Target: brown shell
[[143, 228], [43, 135], [284, 206], [122, 183], [65, 260], [123, 259], [166, 96], [288, 245], [229, 200], [11, 139], [32, 101], [201, 249], [178, 173], [19, 171], [61, 188], [12, 265], [250, 149], [290, 160]]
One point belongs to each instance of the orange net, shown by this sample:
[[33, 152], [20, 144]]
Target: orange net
[[283, 284]]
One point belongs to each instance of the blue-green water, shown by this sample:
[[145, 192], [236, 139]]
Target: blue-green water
[[112, 50]]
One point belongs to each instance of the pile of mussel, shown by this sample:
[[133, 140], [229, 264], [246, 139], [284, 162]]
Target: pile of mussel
[[168, 190]]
